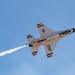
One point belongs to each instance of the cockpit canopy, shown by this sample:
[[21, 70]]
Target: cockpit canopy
[[65, 32]]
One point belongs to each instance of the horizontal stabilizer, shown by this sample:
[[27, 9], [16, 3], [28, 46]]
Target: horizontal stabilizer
[[31, 38], [34, 50]]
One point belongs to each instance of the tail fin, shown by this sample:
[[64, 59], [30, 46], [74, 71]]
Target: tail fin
[[31, 38]]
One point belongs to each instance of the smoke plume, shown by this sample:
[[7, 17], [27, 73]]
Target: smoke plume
[[12, 50]]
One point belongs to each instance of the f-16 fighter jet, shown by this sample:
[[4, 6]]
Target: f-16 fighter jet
[[48, 39]]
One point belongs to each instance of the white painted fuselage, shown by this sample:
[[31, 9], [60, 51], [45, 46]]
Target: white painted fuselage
[[48, 39], [55, 36]]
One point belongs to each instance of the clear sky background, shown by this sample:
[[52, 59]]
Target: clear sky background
[[19, 18]]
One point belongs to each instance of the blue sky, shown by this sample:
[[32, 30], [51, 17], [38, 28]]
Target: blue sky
[[19, 18]]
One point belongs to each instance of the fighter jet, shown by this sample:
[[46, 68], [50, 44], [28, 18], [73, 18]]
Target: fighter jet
[[48, 39]]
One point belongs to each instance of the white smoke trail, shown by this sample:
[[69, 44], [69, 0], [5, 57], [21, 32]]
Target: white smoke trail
[[12, 50]]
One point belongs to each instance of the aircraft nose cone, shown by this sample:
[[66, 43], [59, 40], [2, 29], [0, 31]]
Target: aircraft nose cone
[[73, 29]]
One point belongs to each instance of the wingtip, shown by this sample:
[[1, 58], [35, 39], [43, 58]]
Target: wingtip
[[40, 25]]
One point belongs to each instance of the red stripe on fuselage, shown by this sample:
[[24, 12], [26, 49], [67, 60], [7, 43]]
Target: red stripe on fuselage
[[41, 40]]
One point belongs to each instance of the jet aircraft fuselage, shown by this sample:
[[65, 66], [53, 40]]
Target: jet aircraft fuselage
[[48, 38]]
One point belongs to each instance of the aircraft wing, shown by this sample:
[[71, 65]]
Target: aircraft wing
[[44, 30], [49, 47]]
